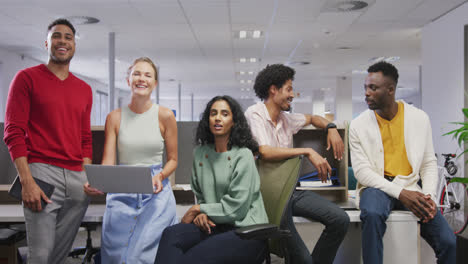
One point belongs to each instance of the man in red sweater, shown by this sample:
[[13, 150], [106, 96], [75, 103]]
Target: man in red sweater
[[47, 131]]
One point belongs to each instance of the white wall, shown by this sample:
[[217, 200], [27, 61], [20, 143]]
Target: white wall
[[442, 75], [11, 63], [358, 95], [415, 100], [343, 98]]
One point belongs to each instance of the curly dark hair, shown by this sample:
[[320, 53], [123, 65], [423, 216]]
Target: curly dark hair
[[240, 136], [61, 21], [275, 74], [387, 70]]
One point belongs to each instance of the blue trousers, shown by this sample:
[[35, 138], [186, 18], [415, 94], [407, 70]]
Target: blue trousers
[[376, 206], [186, 243], [311, 205]]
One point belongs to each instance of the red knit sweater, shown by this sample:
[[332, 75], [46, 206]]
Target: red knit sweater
[[48, 120]]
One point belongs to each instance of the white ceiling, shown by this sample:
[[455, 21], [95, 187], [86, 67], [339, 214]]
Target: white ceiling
[[194, 41]]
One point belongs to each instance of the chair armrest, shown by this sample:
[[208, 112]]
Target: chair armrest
[[261, 232]]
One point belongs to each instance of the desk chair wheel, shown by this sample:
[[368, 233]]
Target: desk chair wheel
[[88, 251]]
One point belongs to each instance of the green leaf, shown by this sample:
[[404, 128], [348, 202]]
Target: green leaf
[[461, 133], [465, 112], [458, 179]]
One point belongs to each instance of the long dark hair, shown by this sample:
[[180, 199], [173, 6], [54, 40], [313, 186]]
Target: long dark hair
[[240, 135]]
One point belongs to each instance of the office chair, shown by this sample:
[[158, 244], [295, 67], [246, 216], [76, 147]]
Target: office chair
[[89, 250], [278, 181], [9, 237]]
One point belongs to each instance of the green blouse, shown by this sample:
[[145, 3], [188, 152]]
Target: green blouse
[[227, 186]]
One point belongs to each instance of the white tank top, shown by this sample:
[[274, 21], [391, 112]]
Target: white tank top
[[140, 141]]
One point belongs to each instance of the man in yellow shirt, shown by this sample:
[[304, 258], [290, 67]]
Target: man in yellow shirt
[[391, 151]]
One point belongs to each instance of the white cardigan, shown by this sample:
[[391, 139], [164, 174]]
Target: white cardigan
[[367, 154]]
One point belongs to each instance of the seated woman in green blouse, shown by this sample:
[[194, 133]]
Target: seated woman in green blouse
[[227, 186]]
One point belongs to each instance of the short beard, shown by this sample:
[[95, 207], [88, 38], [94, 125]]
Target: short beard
[[288, 109], [60, 62], [373, 107]]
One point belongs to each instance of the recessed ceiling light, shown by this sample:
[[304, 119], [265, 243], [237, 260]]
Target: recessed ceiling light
[[249, 81], [382, 58], [242, 34], [242, 60], [256, 34], [299, 63], [248, 89], [347, 6], [242, 72], [242, 81], [251, 72], [242, 89], [82, 20], [376, 59], [253, 59], [393, 58]]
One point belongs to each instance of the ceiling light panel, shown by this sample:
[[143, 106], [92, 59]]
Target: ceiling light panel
[[248, 34], [251, 60], [256, 34], [242, 34]]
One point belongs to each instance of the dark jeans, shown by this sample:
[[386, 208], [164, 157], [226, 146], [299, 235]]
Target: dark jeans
[[186, 243], [376, 206], [311, 205]]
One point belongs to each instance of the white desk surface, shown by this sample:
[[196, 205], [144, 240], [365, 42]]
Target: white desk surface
[[13, 213], [395, 216]]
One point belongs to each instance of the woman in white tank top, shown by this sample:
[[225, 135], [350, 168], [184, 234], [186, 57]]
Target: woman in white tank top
[[138, 133]]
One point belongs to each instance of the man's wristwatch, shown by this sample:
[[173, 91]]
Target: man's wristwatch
[[330, 125]]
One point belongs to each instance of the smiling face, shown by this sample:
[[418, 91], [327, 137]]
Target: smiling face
[[142, 79], [221, 120], [284, 96], [60, 44], [379, 91]]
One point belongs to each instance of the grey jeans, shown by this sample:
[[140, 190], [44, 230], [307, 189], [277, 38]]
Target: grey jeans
[[311, 205], [51, 232]]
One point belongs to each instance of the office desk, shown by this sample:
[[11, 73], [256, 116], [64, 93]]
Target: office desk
[[13, 213]]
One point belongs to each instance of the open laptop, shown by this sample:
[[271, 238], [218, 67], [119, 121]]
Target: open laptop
[[120, 178]]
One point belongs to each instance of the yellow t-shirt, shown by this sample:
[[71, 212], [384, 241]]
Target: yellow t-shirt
[[393, 139]]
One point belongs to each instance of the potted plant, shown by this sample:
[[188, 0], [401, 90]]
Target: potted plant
[[461, 134]]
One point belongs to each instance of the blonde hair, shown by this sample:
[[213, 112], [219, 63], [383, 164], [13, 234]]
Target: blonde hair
[[143, 59]]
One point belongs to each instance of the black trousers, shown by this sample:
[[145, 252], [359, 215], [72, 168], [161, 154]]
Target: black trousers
[[186, 243]]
